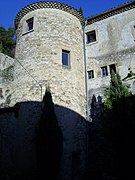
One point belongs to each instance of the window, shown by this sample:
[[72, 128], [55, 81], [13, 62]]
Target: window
[[66, 58], [90, 74], [91, 36], [29, 24], [112, 68], [104, 71]]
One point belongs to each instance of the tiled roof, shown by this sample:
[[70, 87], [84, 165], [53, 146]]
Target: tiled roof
[[46, 4], [117, 10]]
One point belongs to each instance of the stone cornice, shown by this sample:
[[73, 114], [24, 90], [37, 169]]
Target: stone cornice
[[122, 8], [47, 4]]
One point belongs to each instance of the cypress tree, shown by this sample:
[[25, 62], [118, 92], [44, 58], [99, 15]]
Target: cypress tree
[[118, 119], [115, 91], [49, 141], [81, 12]]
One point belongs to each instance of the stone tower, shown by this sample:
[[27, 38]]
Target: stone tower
[[49, 50]]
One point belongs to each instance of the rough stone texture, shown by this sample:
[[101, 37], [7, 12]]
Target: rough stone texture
[[6, 68], [6, 78], [48, 5], [114, 45], [40, 52], [38, 62], [17, 137]]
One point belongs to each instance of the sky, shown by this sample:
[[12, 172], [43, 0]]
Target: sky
[[9, 8]]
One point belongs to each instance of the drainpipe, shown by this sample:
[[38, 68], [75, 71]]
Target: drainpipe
[[86, 79], [87, 107]]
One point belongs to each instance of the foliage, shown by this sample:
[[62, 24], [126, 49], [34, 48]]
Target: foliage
[[49, 140], [81, 12], [7, 41], [115, 91], [119, 125]]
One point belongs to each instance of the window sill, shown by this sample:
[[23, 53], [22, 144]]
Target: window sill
[[89, 79], [28, 32], [89, 44], [66, 67]]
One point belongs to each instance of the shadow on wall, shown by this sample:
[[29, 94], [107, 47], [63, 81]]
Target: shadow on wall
[[112, 144], [99, 160], [60, 145], [119, 127]]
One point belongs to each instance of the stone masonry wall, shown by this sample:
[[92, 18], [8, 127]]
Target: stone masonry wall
[[6, 79], [40, 52], [114, 45], [6, 68], [38, 62]]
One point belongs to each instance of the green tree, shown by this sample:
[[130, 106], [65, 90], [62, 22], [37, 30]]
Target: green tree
[[7, 41], [115, 91], [119, 125], [81, 12], [49, 140]]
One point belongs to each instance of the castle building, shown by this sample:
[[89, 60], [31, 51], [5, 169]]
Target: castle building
[[110, 38], [55, 46]]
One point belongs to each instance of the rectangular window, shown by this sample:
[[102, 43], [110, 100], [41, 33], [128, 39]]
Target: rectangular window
[[90, 74], [66, 58], [29, 24], [91, 36], [104, 71], [112, 68]]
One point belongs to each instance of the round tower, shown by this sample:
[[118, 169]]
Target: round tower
[[49, 50]]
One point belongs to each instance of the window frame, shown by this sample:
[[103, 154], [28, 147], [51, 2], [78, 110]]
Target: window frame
[[89, 38], [112, 67], [30, 22], [67, 63], [104, 73], [90, 74]]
